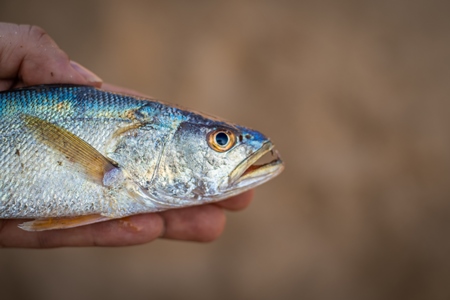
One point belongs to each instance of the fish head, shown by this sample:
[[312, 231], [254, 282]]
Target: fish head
[[206, 162]]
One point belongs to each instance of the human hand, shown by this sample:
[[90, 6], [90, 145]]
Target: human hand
[[28, 56]]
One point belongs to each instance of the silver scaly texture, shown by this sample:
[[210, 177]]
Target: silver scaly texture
[[160, 156]]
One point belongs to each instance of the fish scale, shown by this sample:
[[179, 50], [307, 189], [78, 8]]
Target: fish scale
[[45, 184], [75, 155]]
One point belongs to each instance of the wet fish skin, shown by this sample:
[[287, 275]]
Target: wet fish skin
[[70, 151]]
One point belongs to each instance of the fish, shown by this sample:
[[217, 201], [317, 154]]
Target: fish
[[73, 155]]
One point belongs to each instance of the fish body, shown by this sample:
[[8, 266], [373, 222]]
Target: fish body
[[86, 155]]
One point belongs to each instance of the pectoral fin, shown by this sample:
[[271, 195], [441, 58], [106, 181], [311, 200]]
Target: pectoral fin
[[62, 223], [76, 150]]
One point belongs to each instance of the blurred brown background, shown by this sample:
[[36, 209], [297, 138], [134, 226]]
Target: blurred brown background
[[354, 93]]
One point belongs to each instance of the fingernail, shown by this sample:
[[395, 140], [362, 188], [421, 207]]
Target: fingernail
[[88, 75]]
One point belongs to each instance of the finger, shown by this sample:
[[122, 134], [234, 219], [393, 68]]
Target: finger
[[90, 76], [202, 223], [29, 56], [238, 202], [132, 230]]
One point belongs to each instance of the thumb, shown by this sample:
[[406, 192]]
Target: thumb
[[29, 56]]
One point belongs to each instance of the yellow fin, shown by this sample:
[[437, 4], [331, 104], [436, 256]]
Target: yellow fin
[[61, 223], [76, 150]]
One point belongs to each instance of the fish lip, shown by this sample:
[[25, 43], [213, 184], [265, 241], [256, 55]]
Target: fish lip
[[258, 174]]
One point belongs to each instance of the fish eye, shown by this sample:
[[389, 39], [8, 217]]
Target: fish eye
[[221, 140]]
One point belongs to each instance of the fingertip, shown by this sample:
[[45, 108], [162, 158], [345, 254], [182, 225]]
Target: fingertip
[[87, 74], [203, 223], [33, 58], [238, 202]]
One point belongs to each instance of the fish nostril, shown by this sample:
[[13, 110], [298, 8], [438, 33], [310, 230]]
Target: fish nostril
[[241, 138], [248, 136]]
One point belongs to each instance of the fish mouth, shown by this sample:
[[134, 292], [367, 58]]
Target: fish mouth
[[250, 172]]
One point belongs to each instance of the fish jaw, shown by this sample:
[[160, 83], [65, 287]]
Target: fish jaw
[[248, 174]]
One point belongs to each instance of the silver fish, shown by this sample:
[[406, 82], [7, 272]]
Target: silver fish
[[76, 155]]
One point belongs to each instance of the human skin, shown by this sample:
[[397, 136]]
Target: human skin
[[29, 56]]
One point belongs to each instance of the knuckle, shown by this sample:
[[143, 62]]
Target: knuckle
[[35, 32]]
